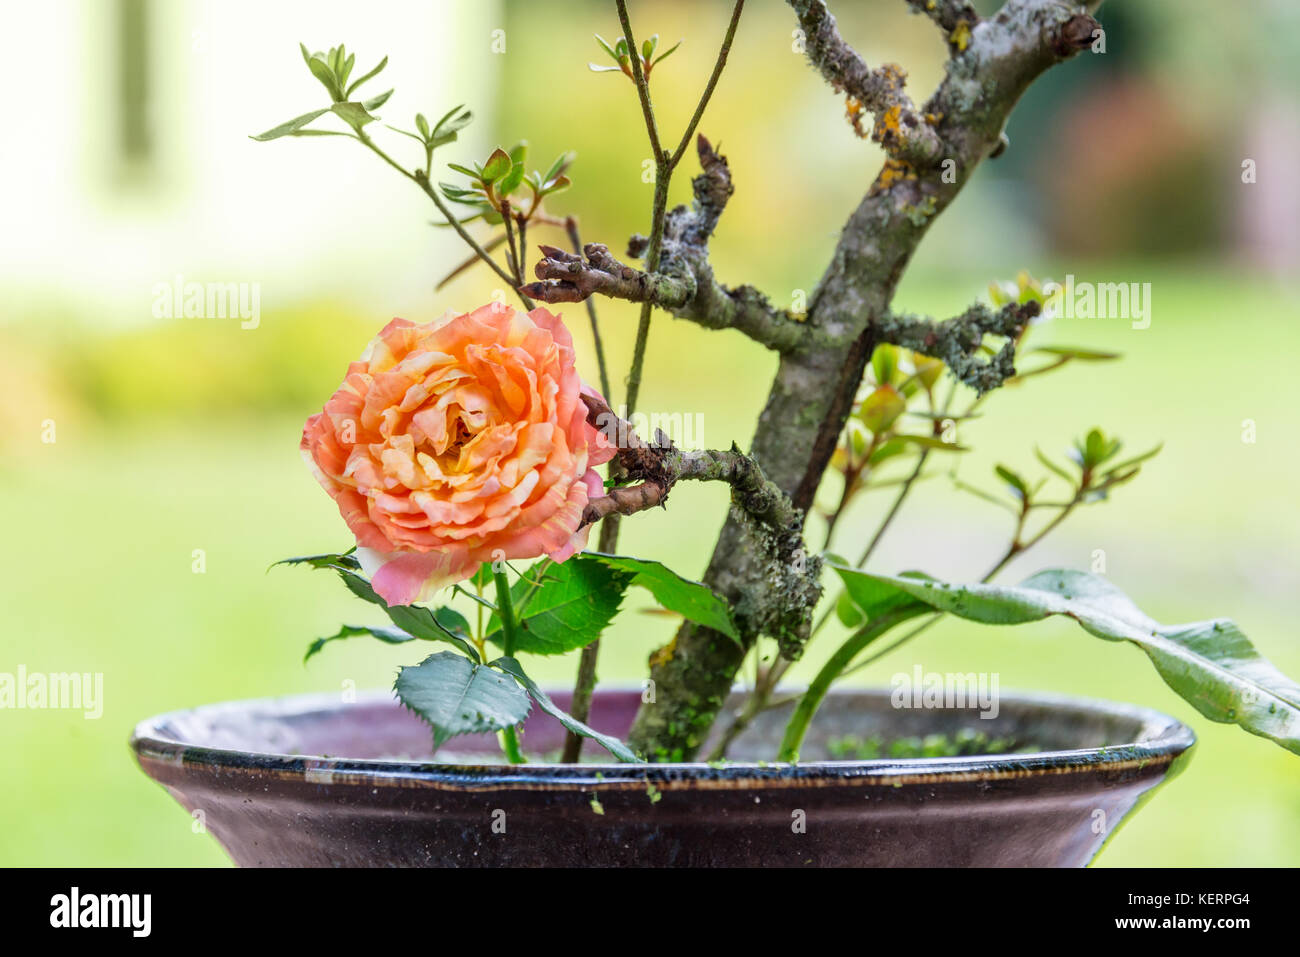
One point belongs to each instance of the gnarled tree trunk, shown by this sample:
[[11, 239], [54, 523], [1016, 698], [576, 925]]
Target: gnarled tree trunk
[[993, 61]]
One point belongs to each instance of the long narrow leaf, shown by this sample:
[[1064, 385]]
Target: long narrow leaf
[[1210, 664]]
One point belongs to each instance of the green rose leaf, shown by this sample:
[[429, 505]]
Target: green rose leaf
[[1013, 479], [447, 128], [871, 597], [1048, 463], [667, 53], [510, 182], [884, 363], [879, 410], [459, 696], [611, 744], [1072, 352], [375, 102], [606, 47], [561, 163], [904, 442], [563, 606], [1210, 664], [441, 625], [692, 600]]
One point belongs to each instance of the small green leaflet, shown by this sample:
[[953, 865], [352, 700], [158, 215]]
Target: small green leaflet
[[1211, 664], [327, 560], [289, 127], [611, 744], [356, 115], [692, 600], [391, 636], [448, 618], [419, 621], [442, 624], [458, 696]]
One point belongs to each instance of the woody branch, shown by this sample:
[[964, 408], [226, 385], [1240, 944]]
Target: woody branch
[[654, 468], [785, 610], [903, 131], [683, 284]]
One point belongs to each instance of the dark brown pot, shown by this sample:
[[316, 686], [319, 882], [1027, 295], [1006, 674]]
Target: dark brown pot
[[308, 781]]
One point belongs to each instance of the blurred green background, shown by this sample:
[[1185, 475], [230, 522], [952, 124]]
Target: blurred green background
[[176, 435]]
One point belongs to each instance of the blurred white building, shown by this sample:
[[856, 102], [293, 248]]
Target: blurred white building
[[128, 161]]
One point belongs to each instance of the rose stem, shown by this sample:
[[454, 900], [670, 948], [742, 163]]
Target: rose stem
[[509, 632]]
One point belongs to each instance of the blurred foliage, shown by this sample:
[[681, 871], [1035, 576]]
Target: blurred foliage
[[192, 369]]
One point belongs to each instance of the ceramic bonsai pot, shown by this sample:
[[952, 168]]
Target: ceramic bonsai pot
[[308, 781]]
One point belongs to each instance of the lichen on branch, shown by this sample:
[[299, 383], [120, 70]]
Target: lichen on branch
[[957, 341], [955, 17], [902, 130]]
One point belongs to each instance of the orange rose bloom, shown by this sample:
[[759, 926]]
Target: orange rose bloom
[[458, 442]]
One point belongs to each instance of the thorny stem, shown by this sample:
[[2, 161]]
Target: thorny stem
[[643, 322], [663, 174], [642, 87], [522, 262]]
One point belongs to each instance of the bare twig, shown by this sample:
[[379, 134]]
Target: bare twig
[[642, 86], [718, 65], [654, 468]]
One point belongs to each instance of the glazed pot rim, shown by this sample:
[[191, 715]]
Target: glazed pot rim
[[1161, 740]]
